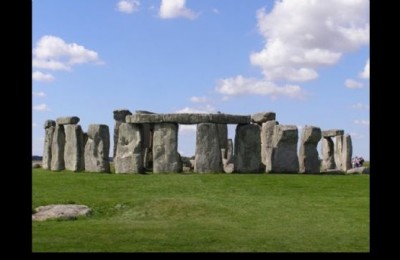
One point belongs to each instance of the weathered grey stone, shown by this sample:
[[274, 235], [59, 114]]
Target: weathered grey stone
[[229, 150], [267, 134], [188, 118], [74, 149], [97, 149], [327, 151], [262, 117], [48, 140], [223, 138], [49, 123], [129, 157], [346, 153], [165, 148], [358, 170], [308, 155], [66, 211], [229, 166], [208, 153], [284, 157], [57, 149], [119, 117], [247, 149], [68, 120], [332, 132]]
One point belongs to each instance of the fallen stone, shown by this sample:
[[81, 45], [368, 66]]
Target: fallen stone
[[68, 120], [358, 170], [60, 211]]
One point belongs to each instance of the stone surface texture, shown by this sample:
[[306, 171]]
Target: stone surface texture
[[165, 149], [208, 153], [247, 149], [97, 148]]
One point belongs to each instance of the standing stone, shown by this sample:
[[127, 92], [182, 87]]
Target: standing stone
[[284, 157], [208, 153], [338, 151], [119, 117], [223, 139], [267, 134], [74, 149], [97, 149], [49, 127], [347, 150], [129, 157], [165, 148], [308, 155], [327, 150], [229, 150], [247, 148], [57, 149]]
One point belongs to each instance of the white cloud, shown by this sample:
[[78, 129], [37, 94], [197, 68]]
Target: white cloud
[[41, 107], [365, 73], [301, 36], [361, 122], [40, 76], [199, 99], [240, 85], [202, 110], [350, 83], [54, 53], [360, 106], [128, 6], [38, 94], [175, 8]]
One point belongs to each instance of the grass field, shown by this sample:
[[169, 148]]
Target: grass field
[[204, 212]]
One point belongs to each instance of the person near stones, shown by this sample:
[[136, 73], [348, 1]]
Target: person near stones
[[360, 161]]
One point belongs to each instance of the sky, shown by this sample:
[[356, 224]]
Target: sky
[[307, 61]]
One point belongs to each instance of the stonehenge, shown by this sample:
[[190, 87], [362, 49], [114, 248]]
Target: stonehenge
[[145, 141], [308, 154]]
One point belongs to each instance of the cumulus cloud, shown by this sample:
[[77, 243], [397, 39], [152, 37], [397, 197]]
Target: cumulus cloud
[[361, 122], [199, 99], [40, 76], [128, 6], [351, 83], [240, 85], [365, 73], [53, 53], [38, 94], [301, 36], [41, 107], [356, 135], [360, 106], [174, 9]]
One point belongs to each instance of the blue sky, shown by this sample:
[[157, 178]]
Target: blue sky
[[308, 61]]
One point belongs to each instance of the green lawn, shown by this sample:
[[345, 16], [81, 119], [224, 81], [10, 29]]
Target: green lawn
[[204, 212]]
